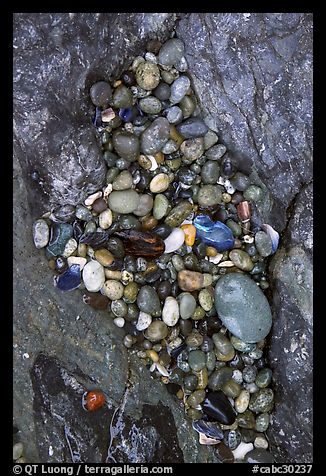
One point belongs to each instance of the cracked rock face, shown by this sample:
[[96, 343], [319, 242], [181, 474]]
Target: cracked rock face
[[253, 77]]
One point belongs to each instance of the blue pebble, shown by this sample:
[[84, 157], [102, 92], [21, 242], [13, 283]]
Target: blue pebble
[[69, 280], [126, 114], [214, 234], [97, 119]]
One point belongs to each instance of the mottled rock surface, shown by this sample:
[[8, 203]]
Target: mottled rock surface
[[253, 76]]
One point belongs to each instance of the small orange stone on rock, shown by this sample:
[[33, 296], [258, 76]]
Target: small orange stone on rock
[[190, 234]]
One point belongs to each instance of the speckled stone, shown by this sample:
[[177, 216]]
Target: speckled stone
[[262, 400], [145, 205], [150, 105], [197, 360], [263, 244], [124, 201], [178, 214], [123, 181], [156, 331], [155, 136], [241, 259], [179, 89], [147, 75], [242, 307], [262, 422], [210, 195], [210, 172], [192, 149], [41, 233], [113, 289]]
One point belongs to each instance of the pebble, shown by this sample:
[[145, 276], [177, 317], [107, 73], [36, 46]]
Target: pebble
[[179, 89], [155, 136], [150, 105], [264, 378], [240, 452], [105, 219], [224, 453], [216, 152], [148, 301], [145, 205], [104, 257], [161, 206], [17, 450], [123, 181], [70, 247], [173, 114], [157, 331], [261, 442], [170, 312], [61, 233], [242, 307], [262, 400], [190, 280], [196, 360], [144, 320], [178, 214], [159, 183], [192, 149], [174, 240], [113, 289], [253, 193], [246, 420], [99, 205], [241, 403], [262, 422], [192, 128], [101, 94], [126, 145], [170, 147], [41, 233], [119, 321], [190, 234], [124, 201], [171, 52], [210, 139], [259, 456], [210, 172], [93, 276], [122, 97], [224, 349], [242, 346], [76, 260], [263, 244], [187, 305], [209, 196], [241, 259], [206, 299], [187, 106], [162, 92], [231, 389], [147, 75]]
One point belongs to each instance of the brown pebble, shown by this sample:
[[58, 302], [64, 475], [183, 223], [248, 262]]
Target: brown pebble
[[51, 264], [210, 251], [190, 280], [149, 223], [153, 46], [224, 453], [96, 300], [174, 135], [99, 205], [159, 157], [104, 257]]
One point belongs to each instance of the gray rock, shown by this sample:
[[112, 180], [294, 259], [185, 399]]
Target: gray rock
[[171, 52], [41, 233], [242, 307], [192, 128], [148, 301], [173, 114], [123, 181], [155, 136], [123, 201], [126, 145], [179, 89], [150, 105], [101, 94]]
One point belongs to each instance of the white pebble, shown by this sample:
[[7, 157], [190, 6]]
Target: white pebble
[[70, 247], [77, 260], [150, 57], [93, 276], [226, 264], [252, 387], [144, 320], [91, 199], [261, 442], [237, 376], [17, 450], [229, 187], [108, 189], [216, 259], [119, 321], [41, 233], [154, 165], [241, 451], [242, 401], [105, 219], [248, 239], [174, 240], [170, 312]]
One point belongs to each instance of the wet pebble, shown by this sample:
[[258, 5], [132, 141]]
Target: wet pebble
[[170, 312], [125, 201], [159, 183], [93, 276], [174, 240], [147, 75], [148, 301], [155, 136], [123, 181], [156, 331], [263, 244], [113, 289], [144, 321], [192, 128], [41, 233], [179, 89]]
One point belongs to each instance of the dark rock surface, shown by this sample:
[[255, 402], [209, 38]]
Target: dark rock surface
[[253, 77]]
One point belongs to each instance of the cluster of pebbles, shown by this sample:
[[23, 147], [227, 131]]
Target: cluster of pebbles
[[173, 251]]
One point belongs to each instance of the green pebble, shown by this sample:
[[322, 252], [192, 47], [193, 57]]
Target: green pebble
[[231, 389], [238, 344], [187, 106], [130, 292], [262, 401], [264, 378], [241, 259], [210, 360], [195, 339], [205, 299], [190, 383], [253, 193], [161, 206], [246, 420], [196, 360], [178, 263], [112, 174], [197, 397], [122, 97], [210, 172], [179, 213], [234, 227], [150, 105], [262, 422], [198, 314], [210, 195], [219, 378]]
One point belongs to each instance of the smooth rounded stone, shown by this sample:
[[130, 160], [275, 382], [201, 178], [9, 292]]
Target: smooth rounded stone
[[261, 401], [70, 247], [210, 172], [217, 406], [123, 181], [147, 75], [231, 389], [232, 439], [253, 193], [144, 321], [119, 321], [170, 147], [187, 106], [41, 233], [130, 292], [101, 94], [242, 307], [258, 456], [261, 442], [224, 453], [116, 247], [238, 344], [210, 195], [241, 259], [264, 378], [215, 152], [111, 175], [155, 136], [93, 276], [196, 360], [159, 183], [240, 181], [196, 398], [241, 403], [192, 149], [122, 97], [190, 280], [82, 213], [148, 301], [251, 387], [145, 205], [223, 346], [161, 206], [170, 312], [194, 339], [119, 308], [219, 377], [129, 222], [262, 422], [150, 105], [105, 219], [162, 92], [206, 300], [171, 52], [126, 145], [263, 244], [240, 452], [124, 201], [235, 227], [179, 213], [174, 240], [249, 373], [156, 331], [113, 289], [187, 305], [246, 420], [192, 128], [179, 88], [99, 205], [90, 227], [190, 382], [173, 114], [104, 257], [210, 139], [199, 314], [17, 450], [163, 230], [237, 374]]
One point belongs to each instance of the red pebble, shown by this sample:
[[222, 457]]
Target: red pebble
[[93, 400]]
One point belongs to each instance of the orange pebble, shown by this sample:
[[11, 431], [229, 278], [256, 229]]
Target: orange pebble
[[190, 234], [93, 400]]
